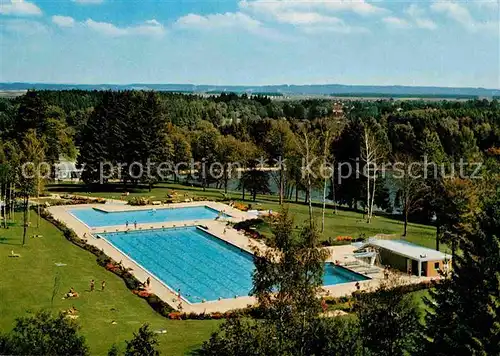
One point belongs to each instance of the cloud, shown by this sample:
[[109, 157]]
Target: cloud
[[341, 27], [418, 17], [310, 16], [19, 8], [424, 23], [306, 18], [217, 21], [63, 21], [488, 5], [396, 22], [23, 27], [314, 23], [148, 28], [462, 15], [88, 1], [274, 8], [454, 11], [105, 28]]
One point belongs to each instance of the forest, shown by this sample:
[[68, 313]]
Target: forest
[[123, 127]]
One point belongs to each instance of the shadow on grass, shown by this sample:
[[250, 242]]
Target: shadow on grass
[[11, 242]]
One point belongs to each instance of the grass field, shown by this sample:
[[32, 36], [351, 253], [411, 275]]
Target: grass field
[[343, 223], [27, 284]]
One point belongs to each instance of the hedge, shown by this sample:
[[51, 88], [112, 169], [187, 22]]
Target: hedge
[[405, 288]]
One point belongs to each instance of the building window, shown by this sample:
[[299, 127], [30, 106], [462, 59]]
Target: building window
[[436, 266]]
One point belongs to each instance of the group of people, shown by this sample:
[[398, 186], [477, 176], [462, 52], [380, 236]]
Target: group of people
[[92, 285], [74, 294], [135, 224]]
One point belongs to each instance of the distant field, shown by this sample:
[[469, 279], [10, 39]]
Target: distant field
[[343, 223], [27, 283]]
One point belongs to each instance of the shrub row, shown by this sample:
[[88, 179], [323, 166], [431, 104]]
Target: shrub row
[[248, 225], [250, 311], [405, 288], [104, 260], [139, 201], [72, 200]]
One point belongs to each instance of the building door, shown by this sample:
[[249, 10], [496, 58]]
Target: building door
[[414, 267]]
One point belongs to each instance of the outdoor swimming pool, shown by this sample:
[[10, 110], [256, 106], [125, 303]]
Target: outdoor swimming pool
[[98, 218], [201, 266]]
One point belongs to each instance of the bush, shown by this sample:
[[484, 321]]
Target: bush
[[144, 343], [44, 334], [248, 227], [139, 201], [404, 289], [73, 200]]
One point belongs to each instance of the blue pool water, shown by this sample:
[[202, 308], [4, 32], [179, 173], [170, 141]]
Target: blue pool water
[[98, 218], [202, 266]]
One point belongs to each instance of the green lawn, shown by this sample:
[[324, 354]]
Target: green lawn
[[343, 223], [26, 285]]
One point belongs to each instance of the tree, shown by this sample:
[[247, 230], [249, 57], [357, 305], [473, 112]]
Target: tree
[[146, 136], [31, 114], [372, 153], [44, 334], [256, 181], [113, 350], [49, 124], [243, 337], [460, 204], [348, 190], [204, 146], [144, 343], [472, 285], [328, 132], [280, 145], [251, 172], [31, 172], [410, 185], [308, 144], [286, 281], [9, 168], [181, 148], [58, 135], [388, 320], [229, 153], [97, 142]]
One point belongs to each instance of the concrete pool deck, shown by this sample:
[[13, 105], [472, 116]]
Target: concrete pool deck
[[220, 229]]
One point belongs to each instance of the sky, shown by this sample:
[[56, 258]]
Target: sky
[[251, 42]]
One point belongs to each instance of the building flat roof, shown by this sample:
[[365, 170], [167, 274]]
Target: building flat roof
[[407, 249]]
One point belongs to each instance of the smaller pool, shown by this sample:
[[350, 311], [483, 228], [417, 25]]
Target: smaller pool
[[98, 218], [338, 274]]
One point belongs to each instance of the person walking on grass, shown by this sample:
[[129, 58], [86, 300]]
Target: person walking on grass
[[103, 285], [92, 285]]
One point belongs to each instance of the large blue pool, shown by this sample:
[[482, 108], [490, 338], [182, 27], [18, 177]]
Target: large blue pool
[[201, 266], [98, 218]]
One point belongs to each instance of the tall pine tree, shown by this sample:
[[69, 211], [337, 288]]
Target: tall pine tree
[[464, 315]]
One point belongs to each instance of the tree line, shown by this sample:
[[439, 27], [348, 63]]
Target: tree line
[[139, 126]]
